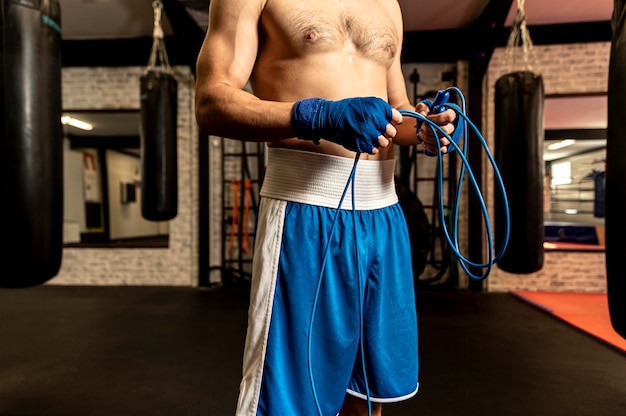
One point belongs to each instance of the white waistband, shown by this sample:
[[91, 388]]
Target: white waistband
[[320, 179]]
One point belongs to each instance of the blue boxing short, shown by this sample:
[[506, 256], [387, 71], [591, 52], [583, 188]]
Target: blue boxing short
[[309, 342]]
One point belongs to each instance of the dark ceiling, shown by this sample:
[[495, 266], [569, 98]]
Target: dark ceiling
[[119, 32]]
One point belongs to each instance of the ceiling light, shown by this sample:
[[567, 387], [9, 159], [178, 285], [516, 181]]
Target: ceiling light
[[561, 144], [74, 122]]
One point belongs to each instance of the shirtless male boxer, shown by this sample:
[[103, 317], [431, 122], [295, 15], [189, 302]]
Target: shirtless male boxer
[[327, 83]]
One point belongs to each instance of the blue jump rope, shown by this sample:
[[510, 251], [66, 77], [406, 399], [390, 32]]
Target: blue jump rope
[[439, 104]]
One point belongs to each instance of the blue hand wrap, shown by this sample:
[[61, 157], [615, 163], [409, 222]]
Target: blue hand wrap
[[354, 123]]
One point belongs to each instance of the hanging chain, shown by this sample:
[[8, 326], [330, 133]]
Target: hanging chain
[[519, 34], [158, 42]]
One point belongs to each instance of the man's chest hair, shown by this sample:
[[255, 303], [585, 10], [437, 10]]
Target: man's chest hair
[[361, 26]]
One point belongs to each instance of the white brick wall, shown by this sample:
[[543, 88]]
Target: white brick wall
[[177, 265], [566, 69]]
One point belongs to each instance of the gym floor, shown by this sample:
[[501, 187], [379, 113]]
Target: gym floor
[[69, 351]]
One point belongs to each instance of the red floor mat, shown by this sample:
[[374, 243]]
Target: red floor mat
[[588, 312]]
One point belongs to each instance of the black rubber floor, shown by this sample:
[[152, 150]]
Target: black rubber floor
[[80, 351]]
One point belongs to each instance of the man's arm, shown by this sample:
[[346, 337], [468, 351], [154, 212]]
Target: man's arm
[[224, 65], [407, 135], [397, 97], [396, 86]]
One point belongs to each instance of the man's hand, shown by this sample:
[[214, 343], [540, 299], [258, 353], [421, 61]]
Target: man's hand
[[426, 135], [361, 124]]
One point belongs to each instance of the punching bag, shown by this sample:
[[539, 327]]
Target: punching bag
[[616, 172], [159, 166], [31, 206], [518, 150]]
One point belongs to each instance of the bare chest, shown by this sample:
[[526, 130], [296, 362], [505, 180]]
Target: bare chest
[[361, 27]]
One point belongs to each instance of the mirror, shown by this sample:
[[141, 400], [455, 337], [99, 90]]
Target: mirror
[[574, 156], [102, 182]]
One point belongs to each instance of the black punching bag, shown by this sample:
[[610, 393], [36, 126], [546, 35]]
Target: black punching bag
[[519, 137], [615, 207], [159, 165], [31, 203]]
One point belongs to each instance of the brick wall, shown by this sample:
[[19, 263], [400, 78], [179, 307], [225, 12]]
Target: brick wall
[[176, 265], [566, 69]]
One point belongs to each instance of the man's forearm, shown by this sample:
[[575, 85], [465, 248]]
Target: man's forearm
[[230, 112]]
